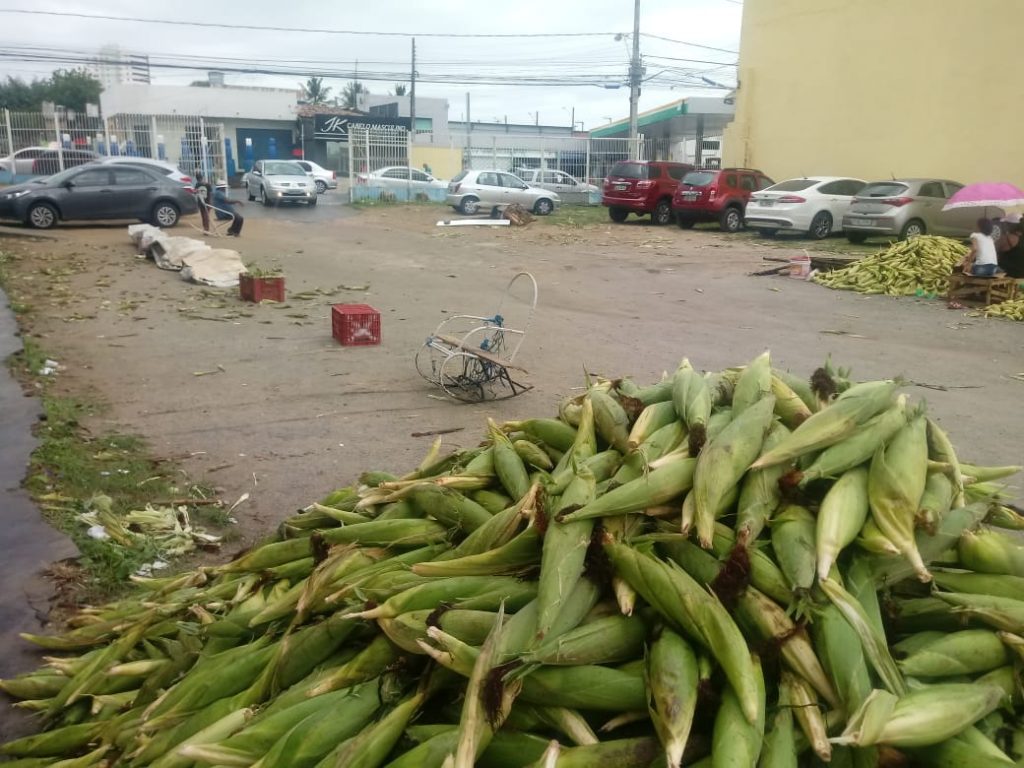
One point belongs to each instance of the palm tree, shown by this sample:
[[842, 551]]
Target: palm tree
[[314, 91], [350, 94], [400, 89]]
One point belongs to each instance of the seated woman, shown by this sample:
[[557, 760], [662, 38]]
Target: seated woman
[[981, 259], [1011, 254]]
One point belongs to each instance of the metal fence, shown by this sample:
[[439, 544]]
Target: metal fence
[[187, 141], [372, 149]]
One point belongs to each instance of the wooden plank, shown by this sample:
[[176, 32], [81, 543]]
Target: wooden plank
[[451, 341]]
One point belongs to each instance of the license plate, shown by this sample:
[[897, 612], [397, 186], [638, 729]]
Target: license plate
[[691, 195], [765, 203], [621, 187], [864, 222]]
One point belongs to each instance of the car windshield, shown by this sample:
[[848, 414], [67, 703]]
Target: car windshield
[[283, 168], [699, 178], [884, 189], [459, 176], [629, 170], [793, 185]]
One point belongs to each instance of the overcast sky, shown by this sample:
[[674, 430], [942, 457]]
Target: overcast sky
[[712, 23]]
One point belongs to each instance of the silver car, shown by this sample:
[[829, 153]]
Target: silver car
[[907, 208], [569, 188], [280, 181], [469, 190], [323, 178], [401, 177]]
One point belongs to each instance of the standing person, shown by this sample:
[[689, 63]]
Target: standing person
[[204, 192], [225, 208], [981, 259]]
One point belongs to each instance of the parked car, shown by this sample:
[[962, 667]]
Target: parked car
[[401, 176], [469, 190], [812, 205], [97, 191], [323, 178], [20, 162], [169, 170], [907, 208], [279, 181], [569, 188], [48, 162], [717, 195], [642, 187]]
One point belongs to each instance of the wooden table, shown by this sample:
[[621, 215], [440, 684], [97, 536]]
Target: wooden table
[[991, 290]]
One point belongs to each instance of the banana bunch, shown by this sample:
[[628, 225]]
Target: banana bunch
[[1011, 310], [920, 265], [740, 568]]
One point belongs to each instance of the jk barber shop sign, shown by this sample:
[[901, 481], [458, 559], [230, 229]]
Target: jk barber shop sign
[[337, 126]]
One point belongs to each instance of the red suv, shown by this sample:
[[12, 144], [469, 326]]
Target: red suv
[[639, 186], [717, 196]]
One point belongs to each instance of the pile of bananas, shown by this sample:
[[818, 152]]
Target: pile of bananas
[[1012, 310], [921, 265], [739, 568]]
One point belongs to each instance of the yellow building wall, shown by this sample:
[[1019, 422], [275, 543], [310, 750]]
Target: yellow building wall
[[444, 162], [881, 88]]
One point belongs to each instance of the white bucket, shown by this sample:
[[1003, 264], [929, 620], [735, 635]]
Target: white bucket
[[800, 266]]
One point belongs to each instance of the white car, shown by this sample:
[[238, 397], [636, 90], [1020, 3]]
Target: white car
[[569, 188], [273, 182], [401, 176], [323, 178], [468, 191], [19, 163], [815, 205], [162, 167]]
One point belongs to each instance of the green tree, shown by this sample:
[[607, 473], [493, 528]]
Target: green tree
[[400, 89], [350, 94], [73, 88], [17, 95], [314, 91]]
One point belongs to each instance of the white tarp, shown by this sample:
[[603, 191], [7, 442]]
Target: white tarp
[[197, 261], [217, 267]]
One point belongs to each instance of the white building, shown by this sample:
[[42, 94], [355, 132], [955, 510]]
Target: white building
[[114, 66], [431, 114]]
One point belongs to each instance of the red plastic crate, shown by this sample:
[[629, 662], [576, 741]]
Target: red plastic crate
[[355, 325], [259, 289]]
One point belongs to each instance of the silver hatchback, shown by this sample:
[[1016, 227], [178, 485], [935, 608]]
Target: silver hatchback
[[273, 182], [907, 208], [469, 190]]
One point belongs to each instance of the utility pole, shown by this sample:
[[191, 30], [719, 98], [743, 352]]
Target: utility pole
[[412, 97], [468, 161], [635, 72]]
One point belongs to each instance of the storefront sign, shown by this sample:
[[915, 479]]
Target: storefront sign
[[336, 126]]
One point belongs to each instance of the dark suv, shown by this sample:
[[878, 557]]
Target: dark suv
[[713, 195], [642, 186]]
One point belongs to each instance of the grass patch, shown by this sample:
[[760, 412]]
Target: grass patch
[[386, 203], [577, 217], [837, 245], [71, 466]]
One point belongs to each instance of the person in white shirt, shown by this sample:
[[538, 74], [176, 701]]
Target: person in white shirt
[[981, 260]]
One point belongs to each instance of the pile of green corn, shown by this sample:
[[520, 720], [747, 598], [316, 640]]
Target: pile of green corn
[[921, 265], [1011, 310], [730, 569]]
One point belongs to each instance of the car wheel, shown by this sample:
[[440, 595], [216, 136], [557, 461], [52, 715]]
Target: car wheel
[[543, 207], [312, 202], [767, 233], [42, 216], [165, 214], [321, 186], [856, 237], [249, 194], [469, 206], [731, 220], [913, 228], [685, 222], [662, 213], [263, 197], [618, 215], [821, 225]]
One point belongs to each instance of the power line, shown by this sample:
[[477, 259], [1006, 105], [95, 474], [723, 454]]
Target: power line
[[683, 42], [258, 27]]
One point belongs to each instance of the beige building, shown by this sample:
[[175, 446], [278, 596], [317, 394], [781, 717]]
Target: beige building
[[875, 88]]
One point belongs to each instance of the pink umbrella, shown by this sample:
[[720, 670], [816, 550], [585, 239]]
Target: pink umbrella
[[984, 194]]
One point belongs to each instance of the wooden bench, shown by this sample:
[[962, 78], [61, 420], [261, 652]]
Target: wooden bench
[[483, 354], [991, 290]]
